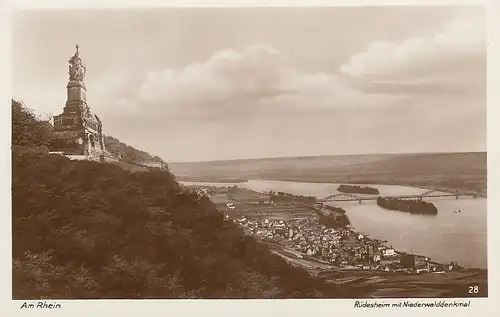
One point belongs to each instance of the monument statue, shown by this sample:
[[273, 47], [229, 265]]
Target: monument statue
[[77, 131], [76, 69]]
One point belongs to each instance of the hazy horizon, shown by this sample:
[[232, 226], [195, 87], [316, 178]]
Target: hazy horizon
[[324, 155], [200, 84]]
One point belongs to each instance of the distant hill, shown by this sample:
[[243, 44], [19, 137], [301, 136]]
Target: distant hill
[[128, 153], [269, 167], [450, 171]]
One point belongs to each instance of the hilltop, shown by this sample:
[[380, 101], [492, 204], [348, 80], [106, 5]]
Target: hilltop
[[450, 171], [88, 230], [127, 152], [92, 230], [30, 130]]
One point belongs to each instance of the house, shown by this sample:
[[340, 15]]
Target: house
[[389, 260], [373, 254], [388, 252], [436, 267], [397, 267], [412, 261], [153, 164], [421, 262]]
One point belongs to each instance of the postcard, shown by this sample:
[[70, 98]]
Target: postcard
[[228, 153]]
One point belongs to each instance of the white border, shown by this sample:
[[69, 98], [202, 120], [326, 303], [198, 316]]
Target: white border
[[35, 4], [480, 307]]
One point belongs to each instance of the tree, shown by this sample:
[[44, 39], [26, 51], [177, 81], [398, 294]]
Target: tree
[[129, 153], [92, 230], [27, 128]]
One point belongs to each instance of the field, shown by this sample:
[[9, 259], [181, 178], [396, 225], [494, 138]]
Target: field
[[246, 204], [442, 171]]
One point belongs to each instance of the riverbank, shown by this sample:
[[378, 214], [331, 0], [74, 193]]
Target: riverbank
[[432, 184], [465, 172], [458, 237], [255, 214]]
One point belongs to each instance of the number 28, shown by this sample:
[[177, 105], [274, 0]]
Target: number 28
[[473, 289]]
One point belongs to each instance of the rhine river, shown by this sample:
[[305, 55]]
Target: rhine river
[[445, 237]]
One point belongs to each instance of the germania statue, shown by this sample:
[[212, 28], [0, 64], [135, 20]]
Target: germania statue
[[76, 69]]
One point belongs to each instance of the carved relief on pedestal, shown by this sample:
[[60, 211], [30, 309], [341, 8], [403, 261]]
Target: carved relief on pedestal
[[92, 141]]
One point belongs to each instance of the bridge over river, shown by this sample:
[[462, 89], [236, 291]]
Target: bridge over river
[[427, 194]]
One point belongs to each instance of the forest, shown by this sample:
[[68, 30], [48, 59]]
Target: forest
[[412, 206], [87, 230], [355, 189], [288, 197]]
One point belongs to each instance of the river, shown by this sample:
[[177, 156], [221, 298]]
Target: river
[[446, 237]]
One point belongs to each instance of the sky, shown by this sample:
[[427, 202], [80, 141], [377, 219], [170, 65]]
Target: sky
[[198, 84]]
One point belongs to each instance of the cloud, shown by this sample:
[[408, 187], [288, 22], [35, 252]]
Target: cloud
[[455, 55], [254, 73], [255, 77]]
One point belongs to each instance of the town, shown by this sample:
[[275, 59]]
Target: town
[[295, 233]]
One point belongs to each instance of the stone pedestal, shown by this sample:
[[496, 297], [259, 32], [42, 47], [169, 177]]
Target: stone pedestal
[[76, 130], [76, 91]]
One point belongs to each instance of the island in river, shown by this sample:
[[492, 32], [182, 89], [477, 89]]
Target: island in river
[[356, 189], [341, 254], [449, 172], [413, 206]]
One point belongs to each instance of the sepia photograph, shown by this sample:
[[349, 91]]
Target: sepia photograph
[[332, 152]]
